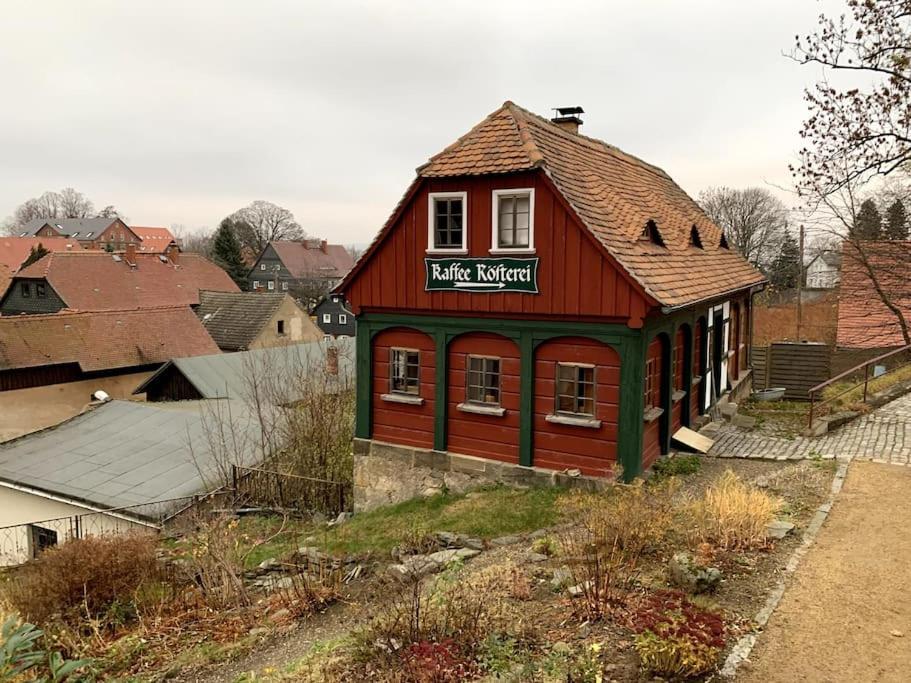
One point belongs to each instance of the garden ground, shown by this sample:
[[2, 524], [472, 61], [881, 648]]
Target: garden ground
[[846, 615]]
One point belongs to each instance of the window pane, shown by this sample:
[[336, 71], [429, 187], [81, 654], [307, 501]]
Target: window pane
[[522, 221], [455, 207], [522, 204]]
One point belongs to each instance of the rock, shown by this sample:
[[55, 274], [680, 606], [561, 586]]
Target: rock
[[573, 473], [728, 410], [318, 518], [743, 421], [761, 482], [505, 540], [341, 519], [537, 557], [447, 539], [684, 572], [779, 529], [266, 565], [421, 565], [473, 543], [579, 589], [431, 491], [537, 533], [896, 633], [258, 631], [280, 614], [561, 578]]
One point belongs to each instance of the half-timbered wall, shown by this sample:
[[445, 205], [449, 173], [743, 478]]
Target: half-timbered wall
[[403, 423], [575, 278], [558, 446]]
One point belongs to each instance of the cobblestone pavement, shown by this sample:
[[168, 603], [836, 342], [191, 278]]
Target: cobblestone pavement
[[883, 435]]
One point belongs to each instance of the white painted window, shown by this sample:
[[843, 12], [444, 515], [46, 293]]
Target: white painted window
[[256, 284], [342, 319], [271, 285], [447, 222], [327, 317], [262, 266], [513, 214], [285, 286]]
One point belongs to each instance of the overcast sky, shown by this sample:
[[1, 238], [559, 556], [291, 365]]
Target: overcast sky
[[181, 112]]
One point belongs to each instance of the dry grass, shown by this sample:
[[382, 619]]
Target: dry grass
[[732, 515]]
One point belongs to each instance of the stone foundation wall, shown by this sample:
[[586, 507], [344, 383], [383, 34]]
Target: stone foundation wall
[[385, 474]]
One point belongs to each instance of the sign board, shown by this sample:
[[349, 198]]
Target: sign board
[[482, 275]]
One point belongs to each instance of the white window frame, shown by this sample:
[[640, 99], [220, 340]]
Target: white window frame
[[271, 285], [262, 266], [495, 221], [327, 318], [431, 233], [284, 285], [342, 319], [256, 284]]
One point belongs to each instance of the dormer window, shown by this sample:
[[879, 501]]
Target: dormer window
[[650, 233], [724, 242], [513, 220], [447, 229], [695, 240]]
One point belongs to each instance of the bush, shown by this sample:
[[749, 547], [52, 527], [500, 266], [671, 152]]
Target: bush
[[676, 638], [442, 662], [84, 579], [679, 465], [21, 654], [732, 515], [610, 534]]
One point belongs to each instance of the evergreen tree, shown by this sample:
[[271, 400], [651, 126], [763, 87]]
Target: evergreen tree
[[896, 221], [34, 254], [868, 224], [785, 269], [226, 253]]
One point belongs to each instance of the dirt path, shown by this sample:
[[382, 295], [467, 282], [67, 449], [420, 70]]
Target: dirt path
[[837, 617]]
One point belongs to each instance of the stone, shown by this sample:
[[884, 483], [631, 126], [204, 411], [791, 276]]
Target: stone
[[728, 410], [561, 578], [779, 529], [684, 572], [743, 421], [473, 543], [318, 518], [267, 565], [280, 614], [537, 557], [431, 491], [282, 583], [505, 540], [895, 633], [342, 518], [421, 565], [579, 589], [447, 539], [258, 631]]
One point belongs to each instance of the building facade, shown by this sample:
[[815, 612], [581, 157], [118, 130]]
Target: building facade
[[334, 318], [306, 270], [540, 299], [822, 272]]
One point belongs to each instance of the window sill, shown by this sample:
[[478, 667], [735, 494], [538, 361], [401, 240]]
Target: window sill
[[678, 395], [653, 414], [447, 252], [478, 409], [696, 380], [731, 353], [572, 421], [403, 398], [518, 251]]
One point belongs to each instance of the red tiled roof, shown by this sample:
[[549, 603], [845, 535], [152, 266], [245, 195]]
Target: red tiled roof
[[5, 278], [864, 320], [103, 340], [615, 195], [311, 258], [99, 281], [14, 250], [154, 240]]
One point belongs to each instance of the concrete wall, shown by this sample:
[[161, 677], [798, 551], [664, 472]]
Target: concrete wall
[[19, 509], [26, 410], [298, 327], [385, 474]]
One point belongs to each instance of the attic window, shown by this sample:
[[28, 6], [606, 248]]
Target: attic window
[[695, 240], [724, 242], [88, 234], [650, 233]]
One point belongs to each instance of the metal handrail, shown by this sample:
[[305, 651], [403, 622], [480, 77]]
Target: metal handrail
[[865, 366]]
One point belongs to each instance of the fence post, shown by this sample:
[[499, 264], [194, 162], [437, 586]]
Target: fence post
[[812, 402], [866, 379], [234, 478]]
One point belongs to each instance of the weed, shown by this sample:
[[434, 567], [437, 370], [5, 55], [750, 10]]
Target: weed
[[545, 546], [679, 465]]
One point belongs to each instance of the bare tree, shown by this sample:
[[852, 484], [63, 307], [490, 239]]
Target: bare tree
[[68, 203], [753, 220], [194, 241], [262, 222]]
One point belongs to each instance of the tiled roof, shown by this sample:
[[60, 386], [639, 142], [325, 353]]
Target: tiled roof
[[14, 250], [102, 340], [615, 195], [5, 278], [68, 226], [99, 281], [311, 258], [154, 240], [235, 319], [864, 320]]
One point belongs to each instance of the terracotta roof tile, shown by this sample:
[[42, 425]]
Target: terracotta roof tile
[[103, 340], [614, 194], [309, 257], [14, 250], [154, 240], [97, 281]]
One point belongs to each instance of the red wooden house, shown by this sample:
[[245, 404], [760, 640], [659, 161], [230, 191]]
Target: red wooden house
[[542, 299]]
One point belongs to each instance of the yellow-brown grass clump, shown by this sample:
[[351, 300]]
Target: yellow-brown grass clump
[[732, 515]]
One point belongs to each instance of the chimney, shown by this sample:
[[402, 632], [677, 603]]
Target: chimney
[[173, 253], [322, 246], [130, 255], [568, 118], [332, 361]]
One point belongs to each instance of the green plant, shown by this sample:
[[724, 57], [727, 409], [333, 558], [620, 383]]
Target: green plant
[[679, 465], [497, 654], [21, 654], [545, 546]]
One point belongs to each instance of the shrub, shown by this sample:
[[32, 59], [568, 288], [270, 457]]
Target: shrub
[[610, 534], [676, 638], [677, 466], [427, 662], [732, 515], [21, 654], [544, 546], [84, 579], [305, 592]]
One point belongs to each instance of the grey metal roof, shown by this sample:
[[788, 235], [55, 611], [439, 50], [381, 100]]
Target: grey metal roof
[[227, 375], [68, 226], [125, 453]]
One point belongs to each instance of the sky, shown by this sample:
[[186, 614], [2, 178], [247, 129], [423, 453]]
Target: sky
[[182, 112]]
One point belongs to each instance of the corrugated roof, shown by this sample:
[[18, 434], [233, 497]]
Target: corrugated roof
[[125, 453], [227, 375], [236, 319]]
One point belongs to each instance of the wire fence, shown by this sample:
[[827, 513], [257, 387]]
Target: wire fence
[[279, 490]]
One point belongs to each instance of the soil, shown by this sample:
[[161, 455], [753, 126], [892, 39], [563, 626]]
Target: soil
[[847, 614], [747, 579]]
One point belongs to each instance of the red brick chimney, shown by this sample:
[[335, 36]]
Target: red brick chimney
[[130, 255], [173, 253], [322, 246], [332, 360]]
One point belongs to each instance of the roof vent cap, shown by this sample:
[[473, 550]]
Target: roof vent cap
[[568, 118]]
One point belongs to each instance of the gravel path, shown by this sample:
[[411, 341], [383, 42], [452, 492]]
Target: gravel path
[[847, 614]]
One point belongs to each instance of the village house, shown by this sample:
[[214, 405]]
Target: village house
[[822, 270], [239, 321], [154, 240], [14, 251], [307, 269], [539, 301], [92, 233], [99, 281], [334, 317], [51, 365]]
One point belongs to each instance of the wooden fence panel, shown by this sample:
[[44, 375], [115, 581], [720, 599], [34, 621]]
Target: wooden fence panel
[[759, 356], [798, 367]]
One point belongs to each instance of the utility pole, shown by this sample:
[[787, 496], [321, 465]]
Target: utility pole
[[800, 285]]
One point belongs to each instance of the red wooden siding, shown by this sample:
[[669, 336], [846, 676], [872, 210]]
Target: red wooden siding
[[679, 356], [651, 437], [593, 451], [411, 425], [574, 277], [486, 436], [695, 407]]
